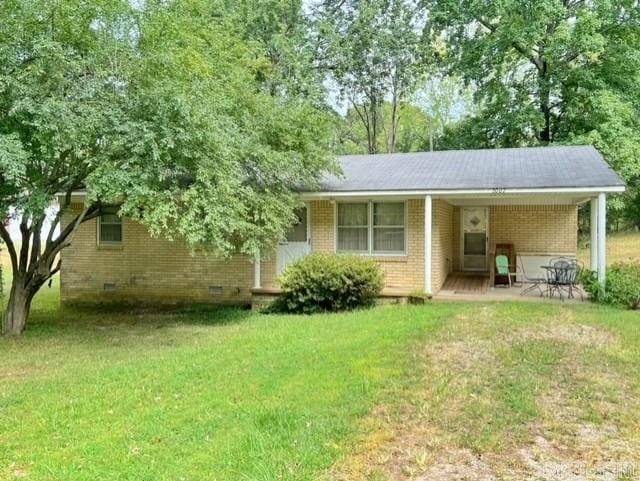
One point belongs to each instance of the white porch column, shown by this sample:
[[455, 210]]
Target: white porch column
[[257, 282], [594, 234], [428, 217], [602, 236]]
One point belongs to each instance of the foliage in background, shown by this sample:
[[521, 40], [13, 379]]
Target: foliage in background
[[329, 283], [195, 117], [547, 71], [622, 286], [373, 51], [445, 100], [412, 132], [435, 106], [1, 272]]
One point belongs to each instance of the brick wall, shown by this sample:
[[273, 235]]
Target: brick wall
[[442, 243], [457, 263], [148, 269], [547, 229], [404, 272]]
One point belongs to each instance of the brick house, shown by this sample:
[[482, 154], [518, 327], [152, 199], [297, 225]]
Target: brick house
[[424, 217]]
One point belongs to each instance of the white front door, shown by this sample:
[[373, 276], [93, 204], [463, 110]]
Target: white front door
[[297, 244], [475, 238]]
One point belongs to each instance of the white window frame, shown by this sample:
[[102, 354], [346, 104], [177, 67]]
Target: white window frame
[[100, 242], [371, 228]]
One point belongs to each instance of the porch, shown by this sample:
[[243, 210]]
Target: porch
[[469, 231], [462, 286]]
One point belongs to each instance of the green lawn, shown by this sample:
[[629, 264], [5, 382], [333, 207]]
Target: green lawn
[[195, 394], [397, 392]]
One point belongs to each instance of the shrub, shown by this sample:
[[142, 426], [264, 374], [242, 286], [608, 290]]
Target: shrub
[[327, 282], [622, 287]]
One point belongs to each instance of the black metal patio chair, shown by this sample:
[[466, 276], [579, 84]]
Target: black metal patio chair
[[536, 282]]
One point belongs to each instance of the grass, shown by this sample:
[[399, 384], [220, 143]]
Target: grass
[[388, 393], [397, 392], [621, 247], [194, 394], [506, 389]]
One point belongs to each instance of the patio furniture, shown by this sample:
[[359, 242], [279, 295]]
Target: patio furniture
[[504, 249], [563, 275], [502, 269], [536, 282], [572, 279]]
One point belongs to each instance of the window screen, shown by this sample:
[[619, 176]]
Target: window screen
[[386, 226]]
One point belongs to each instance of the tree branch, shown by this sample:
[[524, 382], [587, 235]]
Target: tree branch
[[25, 233], [66, 234], [536, 61], [37, 242], [6, 238]]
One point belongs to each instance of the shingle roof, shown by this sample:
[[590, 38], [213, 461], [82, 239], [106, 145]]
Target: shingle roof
[[519, 168]]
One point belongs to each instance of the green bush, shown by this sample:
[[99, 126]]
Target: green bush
[[622, 287], [328, 283]]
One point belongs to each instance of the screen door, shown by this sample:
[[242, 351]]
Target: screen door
[[475, 224], [296, 245]]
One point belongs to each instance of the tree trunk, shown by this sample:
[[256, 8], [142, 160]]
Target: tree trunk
[[15, 317], [545, 103]]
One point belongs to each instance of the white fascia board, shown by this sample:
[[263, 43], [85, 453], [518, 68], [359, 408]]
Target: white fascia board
[[486, 192]]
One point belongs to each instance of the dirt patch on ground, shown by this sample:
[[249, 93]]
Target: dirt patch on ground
[[460, 465], [574, 333], [421, 440]]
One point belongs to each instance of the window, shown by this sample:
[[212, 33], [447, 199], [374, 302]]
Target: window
[[353, 227], [110, 226], [381, 222], [388, 227]]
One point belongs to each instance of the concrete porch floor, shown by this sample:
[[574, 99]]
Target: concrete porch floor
[[462, 286]]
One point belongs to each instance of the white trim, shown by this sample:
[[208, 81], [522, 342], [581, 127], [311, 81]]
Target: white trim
[[490, 192], [594, 234], [602, 237], [428, 247]]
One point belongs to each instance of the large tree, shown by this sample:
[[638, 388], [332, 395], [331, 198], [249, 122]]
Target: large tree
[[548, 71], [373, 52], [172, 110]]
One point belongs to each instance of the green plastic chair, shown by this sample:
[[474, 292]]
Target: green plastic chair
[[502, 267]]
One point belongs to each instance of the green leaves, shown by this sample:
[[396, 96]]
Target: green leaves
[[547, 71], [328, 282], [183, 112], [373, 52]]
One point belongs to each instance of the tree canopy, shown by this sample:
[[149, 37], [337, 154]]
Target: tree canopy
[[547, 71], [197, 124]]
